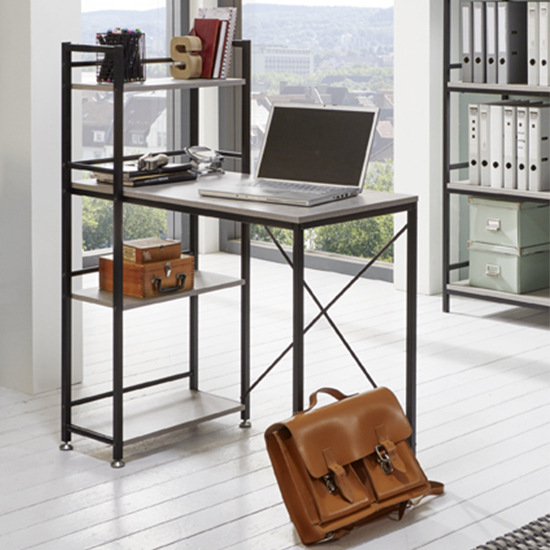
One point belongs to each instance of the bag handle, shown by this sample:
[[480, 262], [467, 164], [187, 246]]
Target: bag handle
[[337, 394]]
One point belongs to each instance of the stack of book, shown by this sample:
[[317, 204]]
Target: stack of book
[[216, 29], [134, 177]]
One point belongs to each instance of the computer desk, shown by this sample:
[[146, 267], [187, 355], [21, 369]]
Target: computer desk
[[185, 198]]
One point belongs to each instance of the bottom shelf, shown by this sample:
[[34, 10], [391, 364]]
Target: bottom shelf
[[540, 298], [154, 415]]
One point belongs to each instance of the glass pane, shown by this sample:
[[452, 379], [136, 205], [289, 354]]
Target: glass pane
[[145, 127], [315, 51]]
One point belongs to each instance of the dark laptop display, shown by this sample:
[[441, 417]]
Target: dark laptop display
[[311, 154], [317, 145]]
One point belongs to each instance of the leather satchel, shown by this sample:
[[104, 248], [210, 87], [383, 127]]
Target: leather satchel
[[346, 463]]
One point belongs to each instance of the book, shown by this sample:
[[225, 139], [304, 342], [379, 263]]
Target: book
[[158, 179], [130, 171], [230, 16], [207, 30]]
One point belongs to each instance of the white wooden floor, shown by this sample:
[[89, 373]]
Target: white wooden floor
[[483, 425]]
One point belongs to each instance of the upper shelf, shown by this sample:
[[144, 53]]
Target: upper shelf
[[503, 89], [168, 83]]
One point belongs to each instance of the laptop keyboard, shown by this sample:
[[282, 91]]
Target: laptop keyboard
[[301, 187]]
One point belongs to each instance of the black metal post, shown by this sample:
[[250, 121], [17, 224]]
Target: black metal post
[[298, 320], [118, 211], [446, 156], [245, 107], [412, 250], [194, 309], [66, 247], [245, 324]]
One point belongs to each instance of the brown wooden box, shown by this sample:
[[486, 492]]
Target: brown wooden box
[[142, 251], [141, 280]]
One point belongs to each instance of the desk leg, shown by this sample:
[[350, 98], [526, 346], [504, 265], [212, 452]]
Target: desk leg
[[412, 230], [298, 320], [245, 324]]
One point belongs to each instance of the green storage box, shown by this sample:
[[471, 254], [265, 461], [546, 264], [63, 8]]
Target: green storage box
[[517, 224], [509, 269]]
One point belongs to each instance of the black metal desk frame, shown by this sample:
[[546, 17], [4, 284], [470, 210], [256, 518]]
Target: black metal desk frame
[[298, 220]]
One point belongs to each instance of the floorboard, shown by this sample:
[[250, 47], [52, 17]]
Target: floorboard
[[483, 423]]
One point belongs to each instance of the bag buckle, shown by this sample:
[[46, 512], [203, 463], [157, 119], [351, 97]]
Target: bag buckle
[[383, 459], [329, 482]]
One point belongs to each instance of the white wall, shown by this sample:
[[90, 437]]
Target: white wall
[[31, 32], [418, 87]]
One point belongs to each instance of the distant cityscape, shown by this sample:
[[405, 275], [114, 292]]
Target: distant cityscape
[[301, 54]]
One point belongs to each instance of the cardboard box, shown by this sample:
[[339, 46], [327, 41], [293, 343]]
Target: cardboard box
[[517, 224], [149, 279], [516, 270]]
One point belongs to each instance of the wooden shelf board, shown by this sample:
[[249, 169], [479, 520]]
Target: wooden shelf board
[[153, 415], [539, 298], [204, 282], [465, 187], [168, 83]]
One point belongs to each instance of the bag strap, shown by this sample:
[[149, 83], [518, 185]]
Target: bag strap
[[337, 394]]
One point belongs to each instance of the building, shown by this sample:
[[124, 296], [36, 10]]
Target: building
[[282, 60]]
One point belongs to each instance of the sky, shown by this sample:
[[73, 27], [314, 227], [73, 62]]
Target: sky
[[97, 5]]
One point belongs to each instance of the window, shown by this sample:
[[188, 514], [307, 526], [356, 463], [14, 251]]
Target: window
[[315, 51], [145, 116]]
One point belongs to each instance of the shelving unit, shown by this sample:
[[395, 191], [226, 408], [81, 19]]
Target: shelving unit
[[453, 185], [143, 417]]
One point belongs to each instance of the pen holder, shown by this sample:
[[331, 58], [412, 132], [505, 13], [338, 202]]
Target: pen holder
[[134, 54]]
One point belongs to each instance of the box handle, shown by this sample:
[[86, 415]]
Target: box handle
[[493, 225], [180, 277], [492, 270]]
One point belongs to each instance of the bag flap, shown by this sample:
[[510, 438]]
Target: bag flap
[[348, 427]]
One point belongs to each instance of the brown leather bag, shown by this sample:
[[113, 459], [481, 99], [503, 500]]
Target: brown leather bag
[[346, 463]]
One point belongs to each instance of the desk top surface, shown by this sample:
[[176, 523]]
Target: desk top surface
[[185, 196]]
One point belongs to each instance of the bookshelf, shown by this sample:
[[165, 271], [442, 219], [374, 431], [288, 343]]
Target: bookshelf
[[114, 423], [454, 181]]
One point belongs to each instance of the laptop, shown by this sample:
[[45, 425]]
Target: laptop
[[311, 154]]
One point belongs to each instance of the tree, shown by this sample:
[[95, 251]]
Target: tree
[[139, 222], [362, 238]]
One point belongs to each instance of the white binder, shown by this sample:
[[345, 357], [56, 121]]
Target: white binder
[[485, 144], [479, 42], [522, 118], [473, 144], [491, 46], [533, 45], [467, 43], [496, 144], [539, 148], [512, 42], [510, 148], [544, 43]]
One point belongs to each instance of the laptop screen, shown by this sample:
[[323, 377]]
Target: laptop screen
[[318, 144]]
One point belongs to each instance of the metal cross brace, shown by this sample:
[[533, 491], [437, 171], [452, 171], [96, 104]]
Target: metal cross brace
[[324, 310]]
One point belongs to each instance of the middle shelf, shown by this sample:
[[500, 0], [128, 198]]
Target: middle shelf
[[204, 282]]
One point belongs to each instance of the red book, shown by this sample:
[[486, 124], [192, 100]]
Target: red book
[[207, 31]]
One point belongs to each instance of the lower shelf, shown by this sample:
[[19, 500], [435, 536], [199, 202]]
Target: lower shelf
[[203, 282], [154, 415], [540, 298]]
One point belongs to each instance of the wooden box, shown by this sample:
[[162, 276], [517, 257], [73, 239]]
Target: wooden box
[[149, 279], [142, 251]]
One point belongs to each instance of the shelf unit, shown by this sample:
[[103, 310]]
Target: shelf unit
[[118, 424], [453, 185]]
